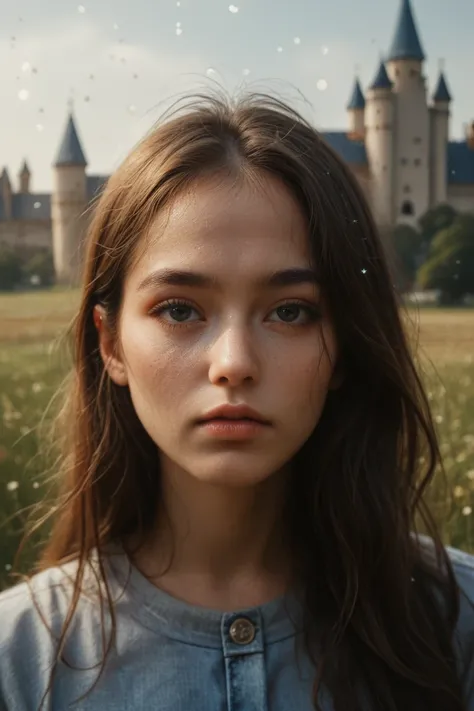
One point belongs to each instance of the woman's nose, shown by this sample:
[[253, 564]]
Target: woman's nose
[[233, 359]]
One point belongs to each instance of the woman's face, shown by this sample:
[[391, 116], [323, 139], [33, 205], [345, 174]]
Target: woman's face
[[230, 317]]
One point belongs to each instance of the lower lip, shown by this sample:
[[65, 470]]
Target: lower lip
[[233, 429]]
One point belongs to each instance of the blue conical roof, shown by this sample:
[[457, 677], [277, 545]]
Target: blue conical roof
[[406, 43], [381, 80], [70, 151], [357, 99], [442, 91]]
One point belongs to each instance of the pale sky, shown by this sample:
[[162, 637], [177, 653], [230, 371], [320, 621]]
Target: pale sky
[[124, 61]]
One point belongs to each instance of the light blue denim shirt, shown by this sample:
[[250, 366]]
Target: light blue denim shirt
[[169, 655]]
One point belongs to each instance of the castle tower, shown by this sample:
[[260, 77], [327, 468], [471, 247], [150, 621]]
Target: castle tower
[[412, 120], [7, 196], [24, 178], [356, 111], [379, 144], [439, 131], [68, 203]]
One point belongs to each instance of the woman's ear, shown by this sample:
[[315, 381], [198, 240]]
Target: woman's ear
[[107, 347]]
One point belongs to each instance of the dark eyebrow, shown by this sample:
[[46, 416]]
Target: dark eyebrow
[[177, 277], [292, 277]]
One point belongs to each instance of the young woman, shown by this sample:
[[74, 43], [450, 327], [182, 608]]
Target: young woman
[[242, 450]]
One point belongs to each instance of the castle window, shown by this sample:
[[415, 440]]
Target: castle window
[[417, 161], [407, 189], [413, 73], [417, 140], [404, 161], [407, 208]]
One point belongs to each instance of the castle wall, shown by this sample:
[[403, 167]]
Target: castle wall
[[9, 233], [379, 119], [461, 197], [21, 234]]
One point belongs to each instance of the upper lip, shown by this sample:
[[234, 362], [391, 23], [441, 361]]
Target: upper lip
[[234, 412]]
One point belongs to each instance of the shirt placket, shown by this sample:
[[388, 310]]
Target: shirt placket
[[243, 649]]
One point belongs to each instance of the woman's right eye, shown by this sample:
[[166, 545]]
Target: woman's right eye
[[176, 312]]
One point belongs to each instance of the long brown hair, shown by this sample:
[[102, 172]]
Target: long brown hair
[[359, 483]]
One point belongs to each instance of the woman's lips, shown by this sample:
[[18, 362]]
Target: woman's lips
[[232, 429]]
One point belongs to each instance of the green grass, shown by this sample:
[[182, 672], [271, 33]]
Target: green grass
[[31, 368]]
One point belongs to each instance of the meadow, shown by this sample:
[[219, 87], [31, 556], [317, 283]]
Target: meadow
[[33, 364]]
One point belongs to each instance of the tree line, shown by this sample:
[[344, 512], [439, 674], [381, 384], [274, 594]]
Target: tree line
[[30, 268], [437, 254]]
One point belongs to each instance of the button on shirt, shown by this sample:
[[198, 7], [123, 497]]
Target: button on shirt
[[169, 655], [242, 631]]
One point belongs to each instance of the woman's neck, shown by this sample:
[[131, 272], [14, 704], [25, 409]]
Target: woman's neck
[[218, 547]]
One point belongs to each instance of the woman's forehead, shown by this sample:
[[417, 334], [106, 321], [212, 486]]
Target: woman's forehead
[[244, 229], [215, 205]]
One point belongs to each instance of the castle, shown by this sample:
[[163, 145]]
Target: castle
[[31, 222], [398, 142], [397, 145]]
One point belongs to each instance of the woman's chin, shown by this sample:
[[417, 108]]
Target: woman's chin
[[232, 473]]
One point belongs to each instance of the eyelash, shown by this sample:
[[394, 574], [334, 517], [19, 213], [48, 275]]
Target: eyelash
[[312, 312]]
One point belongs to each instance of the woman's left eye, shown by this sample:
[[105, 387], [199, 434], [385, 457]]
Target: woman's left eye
[[296, 313]]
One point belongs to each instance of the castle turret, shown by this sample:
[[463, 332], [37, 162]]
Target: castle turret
[[406, 42], [439, 131], [6, 187], [68, 204], [356, 111], [379, 142], [24, 178], [412, 119]]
